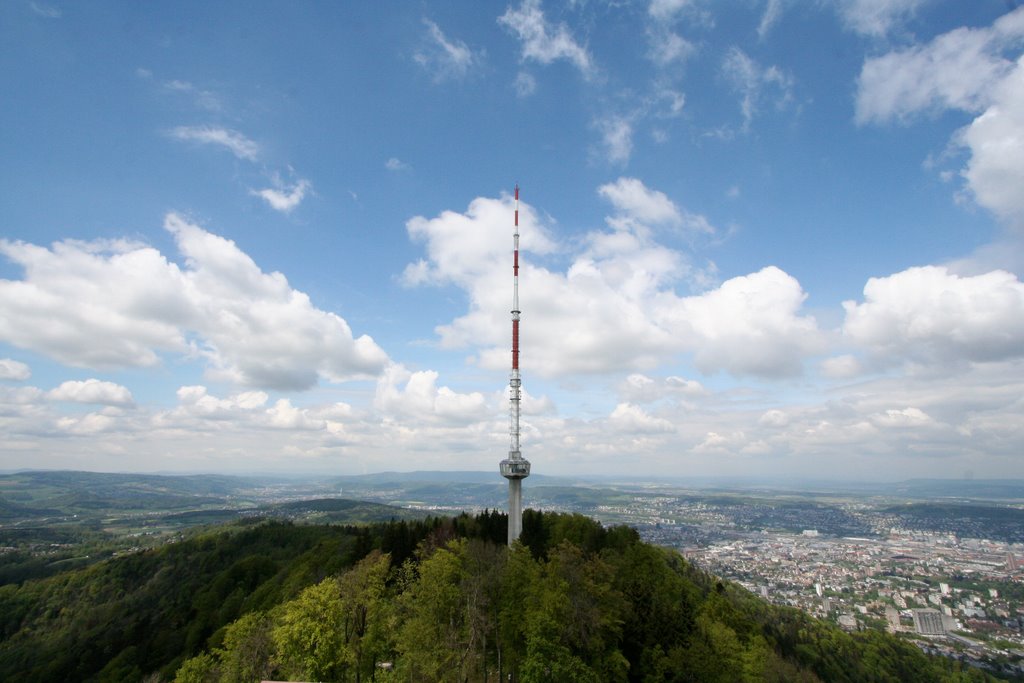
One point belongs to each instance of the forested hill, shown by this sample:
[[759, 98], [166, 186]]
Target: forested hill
[[433, 600]]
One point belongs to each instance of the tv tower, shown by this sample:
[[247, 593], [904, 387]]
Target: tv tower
[[515, 468]]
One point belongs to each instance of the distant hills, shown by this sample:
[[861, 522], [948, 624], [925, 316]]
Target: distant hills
[[219, 485], [124, 577]]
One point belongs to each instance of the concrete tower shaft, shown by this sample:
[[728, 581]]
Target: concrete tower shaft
[[515, 468]]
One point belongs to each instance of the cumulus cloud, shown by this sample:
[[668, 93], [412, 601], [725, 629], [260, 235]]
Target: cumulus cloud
[[639, 388], [284, 199], [633, 419], [719, 444], [442, 57], [965, 69], [957, 70], [841, 367], [930, 315], [239, 145], [119, 304], [195, 401], [87, 425], [637, 205], [751, 325], [93, 391], [283, 415], [875, 17], [88, 304], [12, 369], [632, 198], [543, 42], [995, 171], [464, 248], [902, 418], [614, 307], [401, 392]]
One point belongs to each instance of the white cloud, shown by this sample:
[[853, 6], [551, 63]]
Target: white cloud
[[465, 248], [46, 11], [773, 418], [86, 425], [720, 444], [284, 199], [755, 83], [751, 325], [963, 69], [258, 330], [525, 84], [639, 388], [99, 304], [204, 99], [395, 164], [665, 46], [674, 102], [444, 58], [931, 315], [283, 415], [542, 42], [402, 393], [633, 199], [995, 172], [633, 419], [666, 10], [196, 401], [772, 12], [876, 17], [668, 47], [118, 304], [957, 70], [902, 418], [613, 308], [239, 145], [841, 367], [617, 137], [12, 369], [93, 391], [636, 205]]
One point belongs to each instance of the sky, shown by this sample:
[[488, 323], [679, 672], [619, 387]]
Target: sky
[[768, 238]]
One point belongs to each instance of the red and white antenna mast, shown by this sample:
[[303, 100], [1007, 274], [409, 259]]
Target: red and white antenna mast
[[515, 468]]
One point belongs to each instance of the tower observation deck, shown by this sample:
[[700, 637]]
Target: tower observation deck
[[515, 467]]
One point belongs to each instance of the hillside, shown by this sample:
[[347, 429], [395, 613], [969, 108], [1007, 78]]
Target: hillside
[[438, 599]]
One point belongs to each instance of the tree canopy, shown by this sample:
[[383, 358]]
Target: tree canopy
[[441, 599]]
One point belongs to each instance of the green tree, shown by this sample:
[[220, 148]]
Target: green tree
[[248, 649], [203, 668], [518, 581], [434, 638], [367, 631], [309, 634]]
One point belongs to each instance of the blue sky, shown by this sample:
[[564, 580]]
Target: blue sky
[[762, 237]]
